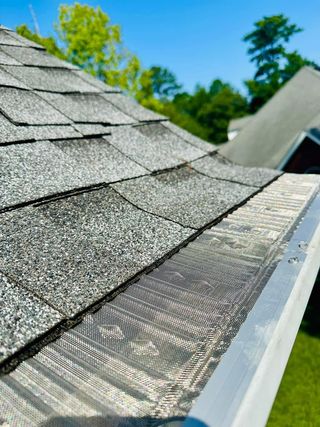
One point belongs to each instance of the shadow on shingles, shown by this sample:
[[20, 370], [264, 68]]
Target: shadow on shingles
[[311, 319], [114, 421]]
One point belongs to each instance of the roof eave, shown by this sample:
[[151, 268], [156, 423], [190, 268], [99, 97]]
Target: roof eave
[[242, 389]]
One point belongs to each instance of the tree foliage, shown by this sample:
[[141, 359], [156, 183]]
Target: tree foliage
[[275, 65], [87, 37], [49, 43], [213, 108], [164, 83]]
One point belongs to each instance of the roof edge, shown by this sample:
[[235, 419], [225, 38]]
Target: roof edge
[[232, 396]]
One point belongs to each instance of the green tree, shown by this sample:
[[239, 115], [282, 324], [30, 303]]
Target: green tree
[[87, 38], [164, 82], [275, 65], [213, 108], [49, 43]]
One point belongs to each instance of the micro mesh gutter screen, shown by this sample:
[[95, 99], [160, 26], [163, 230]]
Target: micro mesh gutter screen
[[143, 358]]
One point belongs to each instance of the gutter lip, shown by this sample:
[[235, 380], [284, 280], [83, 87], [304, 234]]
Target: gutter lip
[[242, 388]]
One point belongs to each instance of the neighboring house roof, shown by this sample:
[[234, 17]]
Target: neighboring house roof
[[277, 126], [236, 125], [133, 241]]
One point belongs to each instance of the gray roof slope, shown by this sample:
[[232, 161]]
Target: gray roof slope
[[273, 130], [240, 123], [86, 206]]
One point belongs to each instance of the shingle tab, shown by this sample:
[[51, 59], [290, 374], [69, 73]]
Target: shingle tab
[[76, 250], [87, 108], [132, 108], [23, 317], [218, 167], [51, 79], [7, 38], [192, 139], [35, 57], [25, 107], [34, 170], [6, 59], [87, 129], [184, 196], [152, 154], [7, 79], [100, 160], [24, 41], [99, 84], [11, 133]]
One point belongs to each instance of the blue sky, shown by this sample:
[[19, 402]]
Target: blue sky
[[197, 39]]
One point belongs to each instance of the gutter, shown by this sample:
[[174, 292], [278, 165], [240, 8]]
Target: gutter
[[242, 389]]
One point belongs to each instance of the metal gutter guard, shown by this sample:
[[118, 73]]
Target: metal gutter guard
[[242, 389], [216, 320]]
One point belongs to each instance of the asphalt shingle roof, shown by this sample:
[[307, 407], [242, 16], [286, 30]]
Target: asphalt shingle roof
[[94, 188], [184, 196]]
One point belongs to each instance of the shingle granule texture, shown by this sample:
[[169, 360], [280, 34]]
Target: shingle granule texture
[[92, 129], [34, 170], [35, 57], [132, 108], [23, 317], [7, 79], [168, 152], [87, 108], [100, 160], [51, 79], [192, 139], [25, 107], [19, 40], [218, 167], [99, 84], [74, 251], [6, 38], [12, 133], [184, 196], [6, 59]]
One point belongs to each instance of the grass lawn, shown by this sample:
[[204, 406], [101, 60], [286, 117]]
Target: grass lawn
[[298, 400]]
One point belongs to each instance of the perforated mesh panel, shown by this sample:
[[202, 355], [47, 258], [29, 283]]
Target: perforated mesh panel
[[145, 356]]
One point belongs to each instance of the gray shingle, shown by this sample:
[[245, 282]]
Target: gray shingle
[[35, 57], [218, 167], [51, 132], [25, 107], [34, 170], [51, 79], [192, 139], [91, 129], [7, 79], [103, 87], [24, 41], [7, 38], [154, 154], [100, 160], [6, 59], [74, 251], [87, 108], [11, 133], [184, 196], [23, 317], [132, 108]]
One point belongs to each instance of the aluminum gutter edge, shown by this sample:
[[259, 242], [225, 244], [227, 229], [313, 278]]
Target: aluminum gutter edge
[[242, 389]]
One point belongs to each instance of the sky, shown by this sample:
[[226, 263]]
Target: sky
[[198, 40]]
